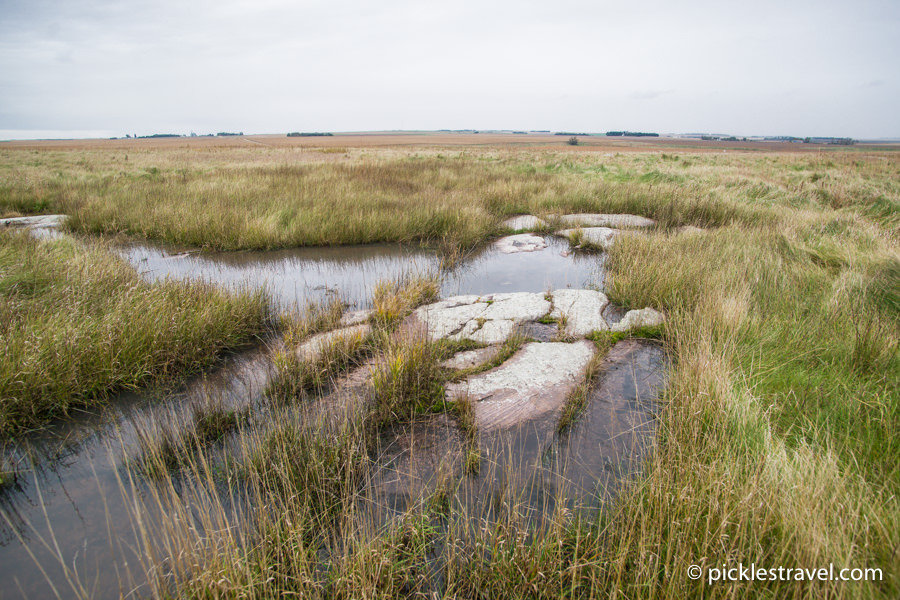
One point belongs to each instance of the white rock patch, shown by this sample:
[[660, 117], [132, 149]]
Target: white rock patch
[[488, 319], [534, 383], [524, 242], [602, 237], [582, 309], [645, 317], [312, 348]]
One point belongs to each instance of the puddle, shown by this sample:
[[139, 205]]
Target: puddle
[[299, 274], [73, 499]]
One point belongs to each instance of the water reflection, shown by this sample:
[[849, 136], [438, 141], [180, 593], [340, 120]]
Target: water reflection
[[295, 275], [72, 500]]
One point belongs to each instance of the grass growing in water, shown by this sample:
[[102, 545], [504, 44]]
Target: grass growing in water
[[78, 323], [778, 435]]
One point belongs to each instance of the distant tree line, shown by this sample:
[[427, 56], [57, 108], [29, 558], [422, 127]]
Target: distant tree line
[[830, 140], [308, 134], [630, 134], [157, 135], [227, 133], [569, 133]]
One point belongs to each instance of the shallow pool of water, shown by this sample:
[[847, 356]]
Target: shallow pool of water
[[70, 503], [299, 274]]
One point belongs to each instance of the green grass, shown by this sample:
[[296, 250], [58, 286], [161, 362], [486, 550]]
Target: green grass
[[78, 323]]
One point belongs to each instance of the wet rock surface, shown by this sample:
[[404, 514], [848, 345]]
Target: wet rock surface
[[523, 242], [313, 347], [355, 317], [616, 429]]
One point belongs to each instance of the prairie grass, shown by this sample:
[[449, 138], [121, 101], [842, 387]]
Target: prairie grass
[[167, 444], [408, 379], [78, 323], [779, 432], [394, 300], [316, 370]]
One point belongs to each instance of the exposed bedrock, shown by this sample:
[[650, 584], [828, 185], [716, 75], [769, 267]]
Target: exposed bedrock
[[523, 242], [533, 384]]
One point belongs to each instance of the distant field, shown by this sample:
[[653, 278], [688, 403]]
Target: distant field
[[412, 139]]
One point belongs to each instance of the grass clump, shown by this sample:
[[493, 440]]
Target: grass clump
[[408, 379], [167, 445], [313, 366], [315, 317], [78, 323], [315, 469], [393, 300], [463, 408]]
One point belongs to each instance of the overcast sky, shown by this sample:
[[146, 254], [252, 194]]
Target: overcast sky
[[784, 67]]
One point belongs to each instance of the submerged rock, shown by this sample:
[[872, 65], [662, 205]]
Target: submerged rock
[[602, 237], [524, 242], [606, 220], [532, 384], [523, 223]]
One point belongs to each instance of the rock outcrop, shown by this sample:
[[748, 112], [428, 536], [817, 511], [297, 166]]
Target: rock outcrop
[[533, 384], [523, 242]]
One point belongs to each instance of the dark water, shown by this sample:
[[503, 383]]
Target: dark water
[[67, 510]]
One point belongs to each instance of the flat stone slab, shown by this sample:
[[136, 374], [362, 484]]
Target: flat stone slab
[[533, 384], [487, 319], [355, 317], [582, 309], [312, 348], [523, 242], [470, 358], [39, 221], [601, 237], [606, 220], [645, 317], [523, 223]]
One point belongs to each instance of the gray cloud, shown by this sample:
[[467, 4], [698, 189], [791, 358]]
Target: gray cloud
[[273, 65]]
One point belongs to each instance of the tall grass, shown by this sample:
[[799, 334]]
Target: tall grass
[[78, 323], [778, 440]]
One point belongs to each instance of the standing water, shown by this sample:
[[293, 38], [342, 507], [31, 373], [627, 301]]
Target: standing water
[[67, 513]]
